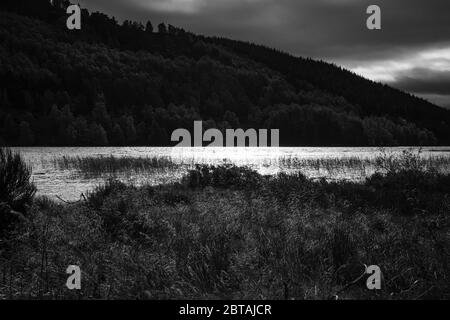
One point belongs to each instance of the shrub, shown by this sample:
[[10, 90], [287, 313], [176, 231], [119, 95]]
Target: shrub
[[408, 160], [101, 193], [16, 189], [224, 176]]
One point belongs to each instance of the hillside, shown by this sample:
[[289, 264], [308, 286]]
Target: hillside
[[128, 84]]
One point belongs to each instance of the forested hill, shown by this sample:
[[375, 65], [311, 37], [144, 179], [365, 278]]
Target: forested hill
[[133, 84]]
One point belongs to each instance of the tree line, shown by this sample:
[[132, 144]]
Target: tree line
[[129, 83]]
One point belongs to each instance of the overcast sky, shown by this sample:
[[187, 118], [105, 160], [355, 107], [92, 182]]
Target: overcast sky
[[411, 52]]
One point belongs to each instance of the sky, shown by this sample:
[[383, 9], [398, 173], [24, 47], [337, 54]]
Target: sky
[[410, 52]]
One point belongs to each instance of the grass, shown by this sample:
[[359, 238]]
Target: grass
[[365, 167], [98, 166], [228, 232]]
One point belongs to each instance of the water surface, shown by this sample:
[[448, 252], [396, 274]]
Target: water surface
[[52, 181]]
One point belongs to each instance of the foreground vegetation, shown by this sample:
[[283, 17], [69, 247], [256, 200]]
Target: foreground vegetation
[[227, 232]]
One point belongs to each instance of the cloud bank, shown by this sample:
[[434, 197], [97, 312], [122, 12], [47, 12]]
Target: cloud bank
[[411, 52]]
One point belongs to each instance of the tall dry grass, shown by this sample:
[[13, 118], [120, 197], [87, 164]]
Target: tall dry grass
[[99, 166], [227, 232]]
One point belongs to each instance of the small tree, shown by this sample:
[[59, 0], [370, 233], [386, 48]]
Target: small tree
[[98, 136], [149, 27], [172, 30], [162, 29]]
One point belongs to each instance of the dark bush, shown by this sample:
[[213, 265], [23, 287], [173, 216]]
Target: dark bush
[[101, 193], [224, 176], [16, 189], [410, 191]]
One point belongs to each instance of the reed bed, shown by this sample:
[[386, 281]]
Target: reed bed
[[383, 163], [329, 164], [98, 166], [351, 168]]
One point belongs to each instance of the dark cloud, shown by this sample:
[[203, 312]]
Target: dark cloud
[[425, 81], [438, 99], [432, 85], [333, 30], [328, 29]]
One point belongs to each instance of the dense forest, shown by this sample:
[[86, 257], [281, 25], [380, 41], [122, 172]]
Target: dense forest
[[130, 83]]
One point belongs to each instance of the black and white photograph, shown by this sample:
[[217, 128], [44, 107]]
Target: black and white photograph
[[224, 150]]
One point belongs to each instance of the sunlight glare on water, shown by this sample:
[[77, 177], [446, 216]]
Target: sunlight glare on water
[[52, 181]]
